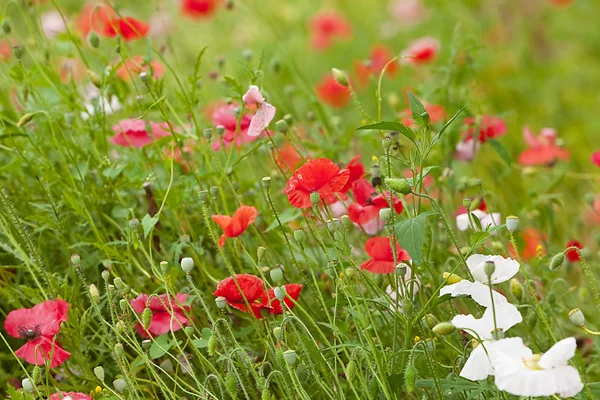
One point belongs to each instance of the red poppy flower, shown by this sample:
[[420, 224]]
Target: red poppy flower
[[490, 127], [236, 225], [293, 290], [134, 66], [94, 17], [332, 93], [573, 255], [532, 238], [365, 211], [357, 171], [199, 8], [437, 113], [128, 28], [596, 157], [319, 175], [251, 289], [39, 325], [421, 51], [362, 72], [5, 50], [382, 257], [133, 133], [561, 3], [225, 115], [288, 157], [543, 149], [71, 395], [327, 26], [380, 56], [161, 306]]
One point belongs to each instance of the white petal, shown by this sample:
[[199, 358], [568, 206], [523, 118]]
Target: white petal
[[478, 365], [490, 220], [462, 222], [261, 119], [477, 290], [568, 382], [559, 354], [564, 381], [507, 316], [507, 354], [505, 269]]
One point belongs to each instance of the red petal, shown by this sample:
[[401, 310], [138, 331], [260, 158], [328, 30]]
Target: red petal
[[161, 322], [252, 288], [379, 249], [363, 191], [357, 170], [37, 351], [573, 255], [244, 216], [596, 157], [378, 267], [292, 289], [362, 215]]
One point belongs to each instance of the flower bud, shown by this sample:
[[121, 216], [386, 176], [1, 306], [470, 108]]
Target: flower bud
[[146, 317], [266, 181], [398, 185], [146, 344], [444, 328], [512, 223], [6, 27], [119, 349], [340, 76], [207, 133], [120, 326], [451, 278], [99, 372], [119, 385], [290, 357], [276, 275], [489, 268], [105, 275], [576, 316], [94, 293], [118, 282], [385, 214], [315, 198], [260, 253], [590, 198], [25, 119], [188, 330], [277, 332], [27, 385], [299, 236], [557, 261], [280, 292], [282, 126], [430, 321], [187, 264], [95, 78], [202, 195], [410, 377], [36, 374], [221, 302], [94, 39], [212, 345]]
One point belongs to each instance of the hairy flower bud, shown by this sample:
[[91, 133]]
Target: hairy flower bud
[[94, 39], [260, 253], [212, 345], [119, 349], [6, 26], [340, 76], [444, 328], [118, 282], [410, 377], [451, 278], [146, 317], [277, 332], [27, 385], [120, 385], [105, 275], [280, 292], [94, 293], [124, 305], [431, 321], [95, 78], [398, 185], [516, 289], [25, 119], [385, 214], [557, 261]]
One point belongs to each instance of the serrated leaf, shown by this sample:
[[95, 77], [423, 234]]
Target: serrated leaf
[[417, 108], [391, 126], [411, 234], [148, 223]]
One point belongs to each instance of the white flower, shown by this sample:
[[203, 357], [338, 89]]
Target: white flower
[[52, 24], [105, 106], [520, 372], [505, 269], [478, 365], [487, 220]]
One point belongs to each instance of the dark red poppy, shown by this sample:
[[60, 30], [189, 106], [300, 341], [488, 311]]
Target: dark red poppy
[[357, 171], [236, 225], [382, 256], [163, 320], [128, 28], [71, 395], [332, 93], [596, 157], [39, 325], [319, 175], [133, 133], [293, 290], [490, 127], [573, 255], [241, 289], [199, 9], [327, 26], [94, 17]]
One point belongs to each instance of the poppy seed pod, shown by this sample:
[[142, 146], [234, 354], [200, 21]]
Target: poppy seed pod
[[187, 264], [6, 27], [17, 52], [282, 126], [207, 133], [164, 267], [315, 198], [202, 195], [512, 223], [299, 236], [214, 191], [123, 305], [221, 302], [398, 185], [340, 76], [444, 328], [557, 261], [346, 222], [260, 253], [105, 275], [489, 268], [386, 142], [118, 282], [277, 332], [290, 357], [266, 182], [467, 203], [27, 385], [99, 372], [576, 316], [385, 214], [146, 344], [276, 275], [280, 292], [119, 385], [188, 330], [288, 118]]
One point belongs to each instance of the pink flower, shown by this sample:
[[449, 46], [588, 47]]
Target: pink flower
[[466, 150], [543, 149], [167, 313], [421, 51], [407, 12], [52, 24], [327, 26], [596, 157], [490, 127], [71, 395], [225, 116], [133, 133], [264, 114]]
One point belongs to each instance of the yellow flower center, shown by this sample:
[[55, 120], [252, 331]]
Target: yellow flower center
[[532, 363]]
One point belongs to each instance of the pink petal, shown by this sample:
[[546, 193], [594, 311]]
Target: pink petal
[[261, 119], [253, 96], [531, 139]]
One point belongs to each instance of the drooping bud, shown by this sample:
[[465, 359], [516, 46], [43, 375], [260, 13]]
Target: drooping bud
[[299, 236], [340, 76], [385, 214], [350, 369], [187, 264], [489, 268], [276, 275], [99, 372], [315, 198], [431, 321], [17, 52], [576, 316], [444, 328], [6, 27], [398, 185], [282, 126], [410, 377], [280, 292], [95, 78], [221, 302], [36, 374], [212, 345], [557, 261], [120, 385], [512, 223], [516, 289], [146, 317], [290, 357], [94, 39], [27, 385], [25, 119], [451, 279]]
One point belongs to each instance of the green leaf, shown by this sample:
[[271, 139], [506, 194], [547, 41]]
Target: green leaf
[[411, 233], [291, 214], [391, 126], [148, 223], [417, 108], [502, 152], [160, 346], [438, 136]]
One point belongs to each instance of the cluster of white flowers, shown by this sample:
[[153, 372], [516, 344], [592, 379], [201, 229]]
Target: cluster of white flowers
[[516, 369]]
